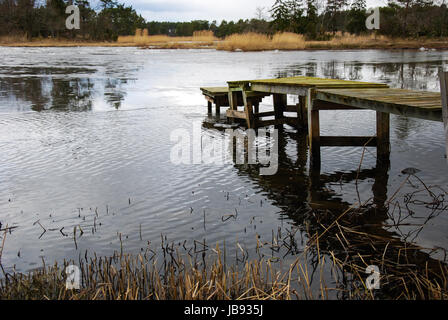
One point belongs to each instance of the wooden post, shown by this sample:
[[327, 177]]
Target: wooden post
[[217, 108], [302, 114], [444, 93], [248, 109], [257, 106], [313, 130], [280, 102], [233, 100], [382, 134], [379, 186], [233, 104], [209, 107]]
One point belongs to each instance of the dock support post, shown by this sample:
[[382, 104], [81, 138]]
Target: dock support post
[[209, 107], [302, 114], [233, 100], [257, 107], [217, 108], [313, 130], [444, 93], [382, 134], [233, 104], [248, 109], [280, 102]]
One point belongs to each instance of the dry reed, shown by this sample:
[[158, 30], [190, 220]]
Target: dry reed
[[141, 38], [340, 245], [236, 42]]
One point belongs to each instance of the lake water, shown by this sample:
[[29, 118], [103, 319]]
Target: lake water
[[85, 141]]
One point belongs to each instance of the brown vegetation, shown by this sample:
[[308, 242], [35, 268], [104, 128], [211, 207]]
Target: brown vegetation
[[237, 42], [332, 264], [292, 41], [200, 39]]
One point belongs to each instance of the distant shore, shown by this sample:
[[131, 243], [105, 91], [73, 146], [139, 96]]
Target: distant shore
[[244, 42]]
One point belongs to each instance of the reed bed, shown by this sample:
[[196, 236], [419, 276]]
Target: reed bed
[[199, 39], [324, 254], [261, 42], [332, 263], [292, 41], [237, 42], [201, 277]]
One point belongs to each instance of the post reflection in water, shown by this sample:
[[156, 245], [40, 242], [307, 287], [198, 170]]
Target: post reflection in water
[[307, 200]]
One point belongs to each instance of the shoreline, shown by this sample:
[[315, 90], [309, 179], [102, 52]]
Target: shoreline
[[401, 44]]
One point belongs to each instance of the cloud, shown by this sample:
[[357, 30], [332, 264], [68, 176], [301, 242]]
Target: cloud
[[187, 10]]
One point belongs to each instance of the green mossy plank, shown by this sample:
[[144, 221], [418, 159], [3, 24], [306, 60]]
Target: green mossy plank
[[215, 90]]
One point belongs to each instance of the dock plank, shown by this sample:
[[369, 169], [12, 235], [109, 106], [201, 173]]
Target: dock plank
[[417, 104]]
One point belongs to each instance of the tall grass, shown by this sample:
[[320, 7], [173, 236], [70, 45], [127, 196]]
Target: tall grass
[[13, 38], [235, 42], [245, 42], [259, 42], [293, 41], [141, 38]]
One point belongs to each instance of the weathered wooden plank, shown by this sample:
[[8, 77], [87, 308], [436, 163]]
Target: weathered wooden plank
[[347, 97], [384, 93], [264, 114], [209, 99], [317, 82], [214, 91], [325, 105], [345, 141], [292, 108], [235, 114], [280, 89]]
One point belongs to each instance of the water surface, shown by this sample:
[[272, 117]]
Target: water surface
[[85, 141]]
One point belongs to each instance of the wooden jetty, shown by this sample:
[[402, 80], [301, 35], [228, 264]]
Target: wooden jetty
[[317, 94], [219, 96]]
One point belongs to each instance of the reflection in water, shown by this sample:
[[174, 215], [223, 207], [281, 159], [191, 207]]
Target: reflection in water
[[53, 93], [307, 199]]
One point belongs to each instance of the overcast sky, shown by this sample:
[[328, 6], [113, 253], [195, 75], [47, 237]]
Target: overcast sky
[[186, 10]]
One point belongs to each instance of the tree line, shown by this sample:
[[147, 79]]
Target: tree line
[[317, 19], [47, 19]]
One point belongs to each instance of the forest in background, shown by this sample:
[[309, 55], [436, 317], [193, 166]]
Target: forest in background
[[315, 19]]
